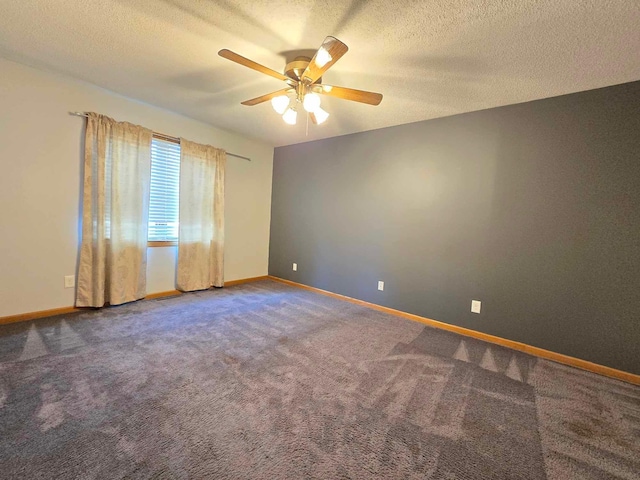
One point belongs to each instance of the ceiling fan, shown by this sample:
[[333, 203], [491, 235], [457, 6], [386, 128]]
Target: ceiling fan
[[303, 77]]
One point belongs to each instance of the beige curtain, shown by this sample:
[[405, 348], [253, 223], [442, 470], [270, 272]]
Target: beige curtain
[[201, 234], [113, 254]]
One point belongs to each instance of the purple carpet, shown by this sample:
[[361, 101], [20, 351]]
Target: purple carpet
[[267, 381]]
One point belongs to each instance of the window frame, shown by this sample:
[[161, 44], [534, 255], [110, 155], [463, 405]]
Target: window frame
[[163, 243]]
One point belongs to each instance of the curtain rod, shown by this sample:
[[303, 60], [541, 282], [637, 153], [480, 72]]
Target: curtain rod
[[168, 137]]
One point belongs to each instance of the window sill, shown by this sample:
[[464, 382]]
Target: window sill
[[170, 243]]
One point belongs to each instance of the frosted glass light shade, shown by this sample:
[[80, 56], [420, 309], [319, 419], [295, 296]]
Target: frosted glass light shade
[[290, 116], [320, 115], [280, 103], [311, 102]]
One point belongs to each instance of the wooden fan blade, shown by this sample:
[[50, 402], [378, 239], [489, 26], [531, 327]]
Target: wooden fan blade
[[329, 53], [313, 118], [234, 57], [268, 96], [349, 94]]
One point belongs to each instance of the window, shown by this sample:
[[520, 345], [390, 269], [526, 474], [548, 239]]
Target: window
[[165, 184]]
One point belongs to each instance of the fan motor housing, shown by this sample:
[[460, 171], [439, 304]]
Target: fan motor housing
[[295, 68]]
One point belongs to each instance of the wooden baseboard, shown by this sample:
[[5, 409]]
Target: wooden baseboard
[[245, 280], [523, 347], [23, 317], [168, 293]]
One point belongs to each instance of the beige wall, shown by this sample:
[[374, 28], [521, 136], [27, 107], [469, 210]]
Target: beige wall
[[40, 160]]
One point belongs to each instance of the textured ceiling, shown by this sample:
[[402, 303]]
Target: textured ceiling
[[429, 58]]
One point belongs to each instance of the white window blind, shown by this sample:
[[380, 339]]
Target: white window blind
[[165, 184]]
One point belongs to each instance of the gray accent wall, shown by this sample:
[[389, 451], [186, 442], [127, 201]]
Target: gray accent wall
[[533, 209]]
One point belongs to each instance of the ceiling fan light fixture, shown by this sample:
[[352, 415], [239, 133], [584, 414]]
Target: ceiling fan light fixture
[[320, 115], [280, 103], [303, 76], [290, 116], [323, 57], [311, 102]]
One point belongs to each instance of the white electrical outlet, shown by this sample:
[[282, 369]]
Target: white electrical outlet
[[69, 281], [295, 267], [381, 285], [475, 306]]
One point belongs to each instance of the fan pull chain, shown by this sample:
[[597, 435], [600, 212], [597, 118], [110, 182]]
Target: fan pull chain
[[307, 129]]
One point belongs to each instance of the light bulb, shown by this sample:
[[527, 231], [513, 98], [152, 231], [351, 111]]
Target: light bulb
[[322, 57], [311, 102], [290, 116], [280, 103], [320, 115]]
